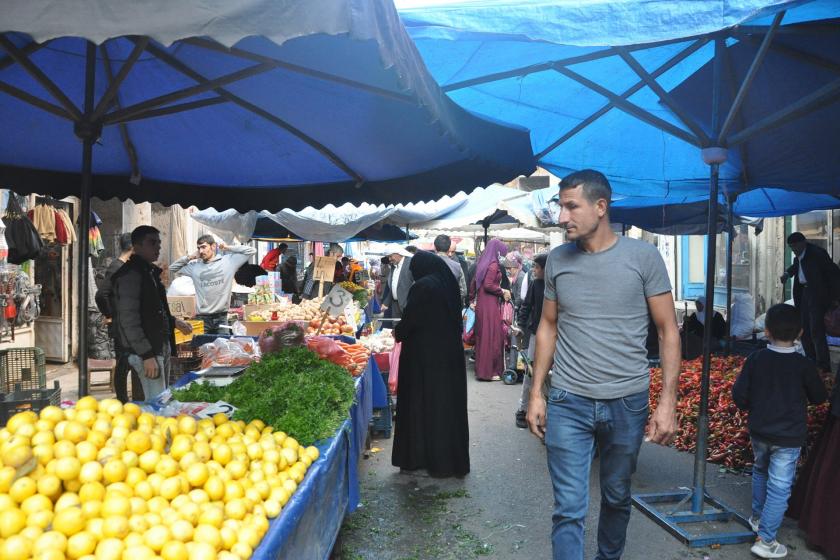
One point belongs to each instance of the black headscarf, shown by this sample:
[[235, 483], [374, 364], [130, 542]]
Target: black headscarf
[[431, 273]]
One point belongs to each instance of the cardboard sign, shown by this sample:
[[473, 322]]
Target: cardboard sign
[[336, 301], [324, 270], [181, 307]]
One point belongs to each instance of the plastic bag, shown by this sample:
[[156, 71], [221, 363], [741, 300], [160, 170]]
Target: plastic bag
[[325, 347], [394, 367], [287, 335], [228, 352]]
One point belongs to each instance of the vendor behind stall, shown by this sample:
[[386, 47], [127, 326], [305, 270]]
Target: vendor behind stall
[[212, 273]]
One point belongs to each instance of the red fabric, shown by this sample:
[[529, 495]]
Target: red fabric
[[271, 260], [489, 331], [815, 501], [318, 249], [60, 230]]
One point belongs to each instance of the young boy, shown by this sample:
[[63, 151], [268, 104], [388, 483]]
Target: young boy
[[528, 319], [776, 385]]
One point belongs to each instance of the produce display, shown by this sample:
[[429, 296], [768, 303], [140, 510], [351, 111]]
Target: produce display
[[306, 310], [110, 480], [729, 440], [352, 357], [332, 325], [262, 293], [360, 293], [293, 389], [379, 342], [228, 352]]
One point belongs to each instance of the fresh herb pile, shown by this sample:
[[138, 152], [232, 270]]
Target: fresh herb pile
[[292, 390]]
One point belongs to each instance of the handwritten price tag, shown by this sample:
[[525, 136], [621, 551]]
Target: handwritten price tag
[[336, 301]]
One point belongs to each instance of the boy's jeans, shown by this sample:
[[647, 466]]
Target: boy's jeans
[[772, 479], [574, 424], [152, 387]]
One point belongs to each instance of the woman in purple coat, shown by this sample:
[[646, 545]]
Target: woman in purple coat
[[488, 294]]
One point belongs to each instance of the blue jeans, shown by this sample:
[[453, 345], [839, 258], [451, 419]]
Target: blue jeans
[[772, 479], [574, 426]]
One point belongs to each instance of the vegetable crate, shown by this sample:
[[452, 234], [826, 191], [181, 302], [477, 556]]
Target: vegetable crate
[[186, 359], [22, 366], [21, 400], [381, 421]]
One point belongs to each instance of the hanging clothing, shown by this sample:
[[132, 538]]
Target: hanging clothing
[[60, 230], [68, 225], [432, 430], [43, 217]]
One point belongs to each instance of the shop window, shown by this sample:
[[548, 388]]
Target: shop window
[[814, 226], [741, 259]]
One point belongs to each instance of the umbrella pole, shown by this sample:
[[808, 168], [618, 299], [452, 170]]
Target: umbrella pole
[[88, 132], [730, 239]]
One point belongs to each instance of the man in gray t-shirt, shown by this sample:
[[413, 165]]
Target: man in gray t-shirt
[[601, 291]]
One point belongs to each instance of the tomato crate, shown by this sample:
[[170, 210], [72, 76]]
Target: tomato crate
[[21, 400], [26, 367]]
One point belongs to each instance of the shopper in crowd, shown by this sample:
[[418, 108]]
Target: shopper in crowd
[[399, 281], [518, 278], [288, 277], [600, 290], [443, 248], [694, 325], [775, 386], [142, 321], [528, 319], [382, 283], [336, 252], [432, 430], [103, 302], [274, 257], [488, 294], [212, 268], [815, 501], [816, 286]]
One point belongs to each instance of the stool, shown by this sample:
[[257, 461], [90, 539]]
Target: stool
[[109, 366]]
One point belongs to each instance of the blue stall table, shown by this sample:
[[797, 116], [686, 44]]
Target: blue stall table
[[309, 523]]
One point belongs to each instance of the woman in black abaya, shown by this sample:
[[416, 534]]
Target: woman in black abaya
[[431, 429]]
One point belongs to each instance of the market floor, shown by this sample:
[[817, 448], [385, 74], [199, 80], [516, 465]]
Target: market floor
[[502, 509]]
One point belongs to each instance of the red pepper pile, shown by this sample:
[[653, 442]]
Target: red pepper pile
[[729, 441]]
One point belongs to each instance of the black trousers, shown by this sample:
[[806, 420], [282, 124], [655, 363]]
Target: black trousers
[[121, 375], [813, 329]]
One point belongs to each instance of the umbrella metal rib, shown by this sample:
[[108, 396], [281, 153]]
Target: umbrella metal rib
[[130, 150], [116, 81]]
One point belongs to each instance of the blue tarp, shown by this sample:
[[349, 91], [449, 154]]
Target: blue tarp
[[515, 61], [340, 107]]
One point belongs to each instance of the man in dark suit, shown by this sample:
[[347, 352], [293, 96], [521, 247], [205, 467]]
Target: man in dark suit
[[399, 281], [816, 284]]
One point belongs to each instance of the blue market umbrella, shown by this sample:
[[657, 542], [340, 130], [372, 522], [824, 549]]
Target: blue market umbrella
[[269, 104], [657, 95]]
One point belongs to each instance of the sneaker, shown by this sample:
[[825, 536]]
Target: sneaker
[[520, 419], [773, 549], [754, 522]]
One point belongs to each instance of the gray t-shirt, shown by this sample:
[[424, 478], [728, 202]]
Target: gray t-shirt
[[602, 316]]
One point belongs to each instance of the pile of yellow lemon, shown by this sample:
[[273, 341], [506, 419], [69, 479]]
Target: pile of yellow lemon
[[106, 481]]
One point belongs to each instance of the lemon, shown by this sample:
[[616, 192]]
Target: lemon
[[21, 419], [130, 458], [43, 437], [112, 407], [138, 505], [91, 509], [81, 544], [215, 488], [187, 425], [182, 530], [149, 460], [22, 488], [272, 508], [271, 455], [174, 550], [236, 509], [197, 475], [208, 534], [43, 453], [110, 549], [102, 426], [280, 495], [98, 438], [220, 418], [138, 524], [138, 442], [36, 503], [202, 551], [242, 550], [189, 459], [190, 512], [156, 537], [90, 472], [181, 445], [237, 469], [170, 488], [289, 454], [114, 471], [132, 409], [51, 540], [127, 421], [64, 448], [52, 414], [67, 500], [12, 522], [116, 504], [222, 454], [75, 431], [135, 475], [16, 547], [158, 442], [233, 490], [40, 519], [141, 552], [87, 403], [202, 451], [86, 417], [68, 522], [167, 466], [144, 490], [68, 468], [213, 516]]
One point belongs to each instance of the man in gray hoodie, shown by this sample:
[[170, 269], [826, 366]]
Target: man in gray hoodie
[[212, 268]]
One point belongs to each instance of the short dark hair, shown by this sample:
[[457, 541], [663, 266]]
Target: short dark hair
[[783, 322], [385, 260], [595, 185], [209, 239], [141, 232], [442, 243], [124, 242], [283, 247], [795, 237], [411, 249], [540, 259]]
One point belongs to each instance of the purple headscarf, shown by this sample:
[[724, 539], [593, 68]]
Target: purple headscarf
[[495, 249]]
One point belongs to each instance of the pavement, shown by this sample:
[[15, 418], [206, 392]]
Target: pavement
[[67, 376], [502, 509]]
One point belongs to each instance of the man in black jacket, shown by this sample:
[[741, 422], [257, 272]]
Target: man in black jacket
[[528, 318], [143, 324], [103, 302], [816, 281]]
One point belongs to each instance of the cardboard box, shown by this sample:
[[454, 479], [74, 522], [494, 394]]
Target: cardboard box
[[182, 307], [256, 328]]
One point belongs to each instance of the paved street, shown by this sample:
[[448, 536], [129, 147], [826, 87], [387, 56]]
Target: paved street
[[503, 508]]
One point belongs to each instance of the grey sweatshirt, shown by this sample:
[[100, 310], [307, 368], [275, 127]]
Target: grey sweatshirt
[[213, 279]]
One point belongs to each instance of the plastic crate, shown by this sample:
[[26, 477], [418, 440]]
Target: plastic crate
[[26, 367], [381, 422], [21, 400]]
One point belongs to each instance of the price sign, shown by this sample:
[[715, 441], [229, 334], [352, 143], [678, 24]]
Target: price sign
[[336, 301], [324, 270]]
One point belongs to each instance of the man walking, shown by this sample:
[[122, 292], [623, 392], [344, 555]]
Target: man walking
[[142, 321], [399, 281], [600, 292], [443, 248], [103, 302], [816, 284], [212, 273]]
